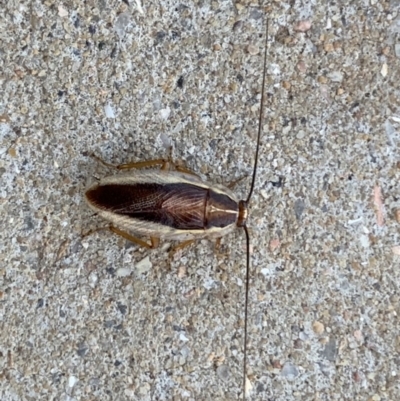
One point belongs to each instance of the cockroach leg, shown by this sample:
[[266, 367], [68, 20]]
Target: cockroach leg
[[94, 230], [143, 164], [179, 166], [127, 166], [165, 164], [232, 184], [184, 169], [154, 241], [221, 253], [137, 165], [102, 161], [179, 246], [185, 244]]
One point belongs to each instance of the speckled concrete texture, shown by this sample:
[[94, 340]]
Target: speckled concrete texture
[[98, 318]]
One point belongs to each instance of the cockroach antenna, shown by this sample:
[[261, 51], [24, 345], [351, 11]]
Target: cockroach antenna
[[245, 206]]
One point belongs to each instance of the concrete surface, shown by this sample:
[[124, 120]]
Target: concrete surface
[[100, 319]]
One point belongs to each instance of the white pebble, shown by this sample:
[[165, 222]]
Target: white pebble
[[123, 272], [109, 111], [144, 265], [384, 70], [164, 113], [364, 240], [72, 381], [62, 12], [335, 76]]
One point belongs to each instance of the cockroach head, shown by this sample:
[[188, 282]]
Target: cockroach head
[[243, 213]]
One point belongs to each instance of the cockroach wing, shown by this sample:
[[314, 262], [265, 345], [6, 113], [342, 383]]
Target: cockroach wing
[[180, 206], [164, 204]]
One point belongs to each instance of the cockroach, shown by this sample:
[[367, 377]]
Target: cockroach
[[175, 205]]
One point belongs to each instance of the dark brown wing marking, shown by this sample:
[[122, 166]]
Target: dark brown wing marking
[[180, 206]]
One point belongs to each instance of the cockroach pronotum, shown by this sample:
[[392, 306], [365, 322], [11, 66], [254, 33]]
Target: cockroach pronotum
[[175, 205]]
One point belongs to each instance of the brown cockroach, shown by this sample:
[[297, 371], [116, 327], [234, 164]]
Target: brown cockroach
[[175, 205]]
